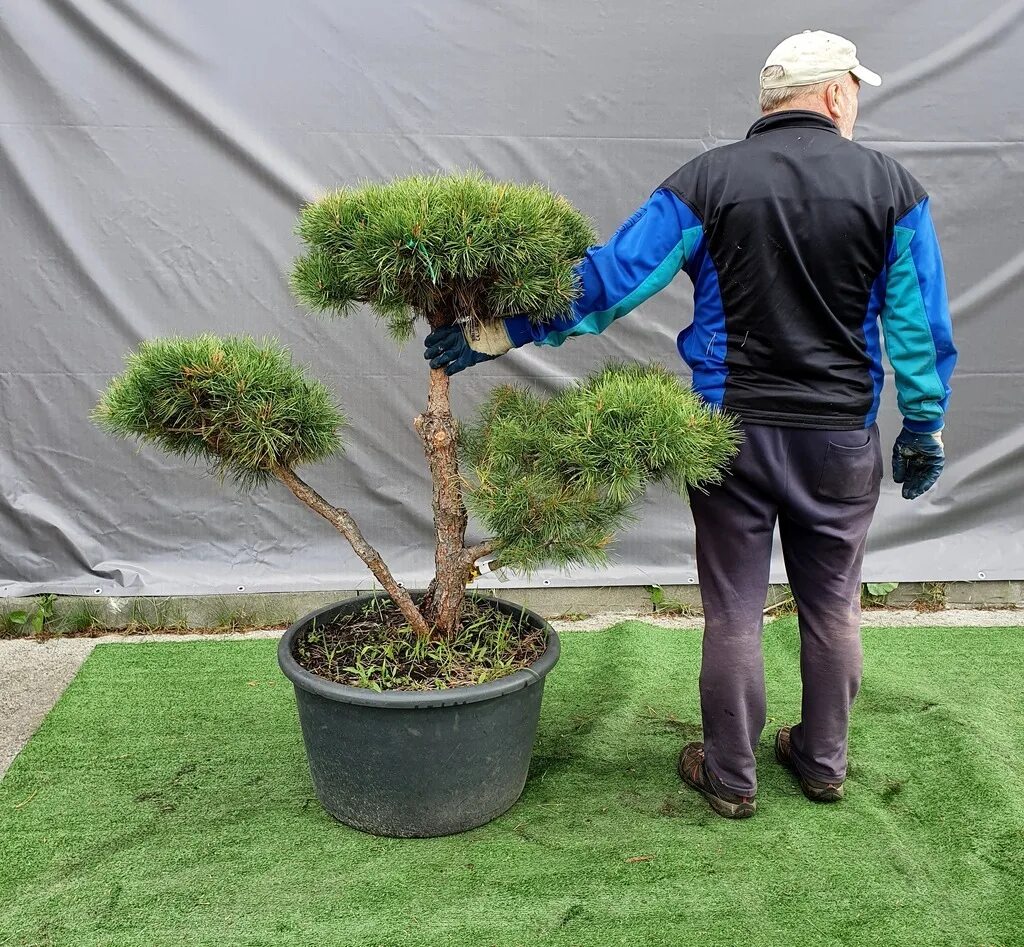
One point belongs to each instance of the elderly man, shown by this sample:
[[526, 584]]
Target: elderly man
[[799, 243]]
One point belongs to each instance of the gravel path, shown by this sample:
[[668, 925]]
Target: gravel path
[[33, 674]]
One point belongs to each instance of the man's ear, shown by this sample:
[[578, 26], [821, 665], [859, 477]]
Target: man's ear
[[833, 92]]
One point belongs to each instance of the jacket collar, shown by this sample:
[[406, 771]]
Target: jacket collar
[[792, 118]]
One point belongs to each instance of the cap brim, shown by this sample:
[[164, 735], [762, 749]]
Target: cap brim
[[866, 75]]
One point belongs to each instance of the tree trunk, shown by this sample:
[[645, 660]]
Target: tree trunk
[[442, 607]]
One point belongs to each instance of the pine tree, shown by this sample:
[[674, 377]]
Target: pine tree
[[552, 480]]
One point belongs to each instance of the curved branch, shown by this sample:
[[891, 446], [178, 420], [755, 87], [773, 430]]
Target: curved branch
[[473, 553], [345, 525]]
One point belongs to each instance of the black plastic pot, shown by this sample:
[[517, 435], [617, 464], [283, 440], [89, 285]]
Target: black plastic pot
[[418, 763]]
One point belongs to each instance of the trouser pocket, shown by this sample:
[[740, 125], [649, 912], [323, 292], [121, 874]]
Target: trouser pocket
[[850, 471]]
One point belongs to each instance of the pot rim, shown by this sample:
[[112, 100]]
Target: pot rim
[[406, 700]]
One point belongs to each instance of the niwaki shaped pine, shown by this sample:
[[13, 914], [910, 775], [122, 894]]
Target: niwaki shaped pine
[[552, 480]]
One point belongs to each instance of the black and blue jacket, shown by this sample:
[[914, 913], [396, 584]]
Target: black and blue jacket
[[799, 243]]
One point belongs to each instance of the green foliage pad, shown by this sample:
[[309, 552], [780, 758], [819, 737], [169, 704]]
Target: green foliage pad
[[236, 403], [554, 479], [448, 247], [166, 800]]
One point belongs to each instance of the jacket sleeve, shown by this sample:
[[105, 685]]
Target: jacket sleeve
[[640, 259], [915, 321]]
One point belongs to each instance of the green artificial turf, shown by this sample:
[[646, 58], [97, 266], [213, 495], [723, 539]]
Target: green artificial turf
[[166, 801]]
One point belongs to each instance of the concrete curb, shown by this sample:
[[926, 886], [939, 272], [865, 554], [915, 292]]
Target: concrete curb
[[33, 674], [265, 609]]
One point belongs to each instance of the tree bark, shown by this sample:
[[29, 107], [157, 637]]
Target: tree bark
[[442, 607], [473, 553], [345, 525]]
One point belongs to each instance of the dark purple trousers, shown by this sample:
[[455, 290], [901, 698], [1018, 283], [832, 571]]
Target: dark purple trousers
[[822, 488]]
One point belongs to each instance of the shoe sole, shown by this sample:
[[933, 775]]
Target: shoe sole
[[815, 795], [728, 810]]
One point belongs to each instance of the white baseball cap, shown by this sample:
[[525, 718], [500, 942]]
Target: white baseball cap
[[815, 56]]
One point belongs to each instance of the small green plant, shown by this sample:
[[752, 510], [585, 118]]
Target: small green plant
[[782, 603], [932, 597], [34, 619], [874, 594], [81, 618], [147, 615], [377, 652], [228, 617], [662, 605], [230, 614], [8, 629]]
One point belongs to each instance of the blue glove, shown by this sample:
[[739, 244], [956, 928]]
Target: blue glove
[[450, 348], [917, 461]]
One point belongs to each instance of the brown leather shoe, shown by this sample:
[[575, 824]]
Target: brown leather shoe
[[813, 789], [694, 772]]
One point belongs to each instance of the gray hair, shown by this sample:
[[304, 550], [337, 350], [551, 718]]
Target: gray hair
[[772, 99]]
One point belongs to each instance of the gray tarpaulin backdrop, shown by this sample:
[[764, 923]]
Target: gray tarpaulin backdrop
[[154, 155]]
